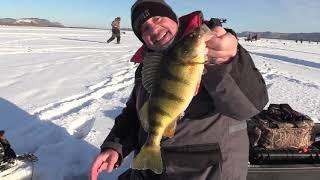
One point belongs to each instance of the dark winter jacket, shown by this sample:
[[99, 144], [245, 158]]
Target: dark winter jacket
[[211, 140], [115, 26]]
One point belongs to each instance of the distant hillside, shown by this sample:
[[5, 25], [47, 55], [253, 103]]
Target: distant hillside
[[29, 22], [288, 36], [126, 29]]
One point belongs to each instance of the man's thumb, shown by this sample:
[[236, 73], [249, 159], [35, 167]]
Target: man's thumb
[[219, 31]]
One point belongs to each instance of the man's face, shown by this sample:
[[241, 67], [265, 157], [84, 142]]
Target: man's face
[[158, 32]]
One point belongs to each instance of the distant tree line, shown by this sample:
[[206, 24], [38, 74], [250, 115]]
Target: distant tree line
[[312, 37]]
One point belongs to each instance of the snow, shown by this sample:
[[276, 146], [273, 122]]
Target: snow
[[61, 89], [26, 21]]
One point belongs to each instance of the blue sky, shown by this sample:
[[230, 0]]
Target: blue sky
[[253, 15]]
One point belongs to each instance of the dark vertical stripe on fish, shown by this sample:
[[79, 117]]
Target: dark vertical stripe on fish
[[158, 110], [154, 132], [151, 138], [168, 95], [153, 123], [168, 75]]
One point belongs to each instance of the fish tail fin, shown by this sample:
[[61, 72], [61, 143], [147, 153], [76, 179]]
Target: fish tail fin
[[149, 157]]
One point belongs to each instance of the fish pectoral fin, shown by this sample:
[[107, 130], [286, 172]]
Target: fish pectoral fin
[[197, 88], [171, 128], [143, 116], [149, 157]]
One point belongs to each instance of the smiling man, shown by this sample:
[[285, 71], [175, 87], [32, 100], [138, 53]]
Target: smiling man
[[210, 141], [158, 32]]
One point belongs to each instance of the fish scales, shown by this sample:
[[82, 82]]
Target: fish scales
[[171, 91]]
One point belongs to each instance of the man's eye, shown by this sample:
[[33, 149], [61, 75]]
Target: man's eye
[[144, 29]]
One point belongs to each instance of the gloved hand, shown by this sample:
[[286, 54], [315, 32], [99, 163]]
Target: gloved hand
[[222, 47]]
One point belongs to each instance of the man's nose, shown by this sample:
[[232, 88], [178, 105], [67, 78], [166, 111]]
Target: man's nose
[[152, 27]]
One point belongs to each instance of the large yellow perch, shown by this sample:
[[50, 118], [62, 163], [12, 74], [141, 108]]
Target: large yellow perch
[[171, 90]]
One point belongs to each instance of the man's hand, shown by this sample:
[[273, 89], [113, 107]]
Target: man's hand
[[222, 47], [106, 161]]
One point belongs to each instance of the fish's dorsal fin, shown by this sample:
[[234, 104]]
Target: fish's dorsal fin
[[150, 69]]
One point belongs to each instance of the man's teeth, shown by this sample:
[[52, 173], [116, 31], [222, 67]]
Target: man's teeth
[[158, 39], [162, 36]]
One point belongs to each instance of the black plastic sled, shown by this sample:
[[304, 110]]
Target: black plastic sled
[[284, 172], [285, 164]]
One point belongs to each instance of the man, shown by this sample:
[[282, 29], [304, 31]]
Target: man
[[211, 139], [115, 30]]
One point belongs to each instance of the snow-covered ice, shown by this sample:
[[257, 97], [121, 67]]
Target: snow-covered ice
[[61, 88]]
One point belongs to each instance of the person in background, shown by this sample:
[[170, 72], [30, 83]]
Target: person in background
[[210, 140], [115, 30]]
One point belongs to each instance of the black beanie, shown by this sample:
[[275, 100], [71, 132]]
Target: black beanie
[[142, 10]]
